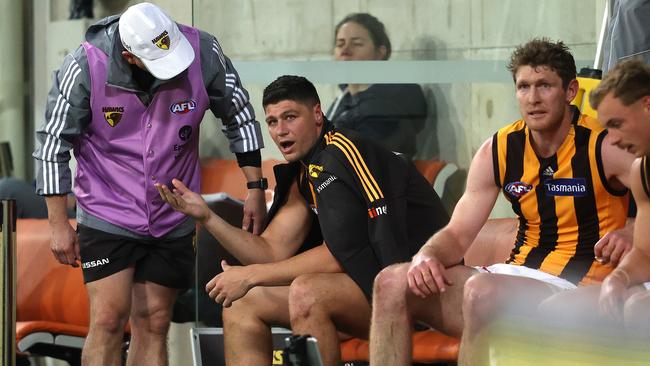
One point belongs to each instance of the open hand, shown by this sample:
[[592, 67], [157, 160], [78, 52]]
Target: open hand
[[183, 200]]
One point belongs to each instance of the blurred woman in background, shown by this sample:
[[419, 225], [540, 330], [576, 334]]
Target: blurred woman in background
[[391, 114]]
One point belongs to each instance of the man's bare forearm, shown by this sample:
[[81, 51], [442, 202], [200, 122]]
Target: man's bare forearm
[[244, 246], [56, 209], [445, 247], [316, 260]]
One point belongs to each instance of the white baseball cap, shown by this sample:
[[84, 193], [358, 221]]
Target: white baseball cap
[[151, 35]]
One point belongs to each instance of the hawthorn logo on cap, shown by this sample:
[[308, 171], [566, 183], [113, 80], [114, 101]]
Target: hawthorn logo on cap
[[162, 41], [150, 34], [113, 115]]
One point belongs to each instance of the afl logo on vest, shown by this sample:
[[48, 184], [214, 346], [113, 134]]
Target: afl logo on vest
[[517, 189], [183, 107]]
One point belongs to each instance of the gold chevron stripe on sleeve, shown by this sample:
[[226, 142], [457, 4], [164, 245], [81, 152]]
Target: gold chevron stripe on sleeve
[[363, 163], [364, 183]]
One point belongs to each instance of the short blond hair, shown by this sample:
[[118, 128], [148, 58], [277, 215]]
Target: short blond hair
[[628, 81]]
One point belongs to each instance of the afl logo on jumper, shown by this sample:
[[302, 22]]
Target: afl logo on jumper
[[185, 132], [576, 187], [162, 41], [518, 189], [113, 115], [183, 107]]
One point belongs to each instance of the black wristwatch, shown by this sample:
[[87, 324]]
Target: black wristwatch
[[258, 184]]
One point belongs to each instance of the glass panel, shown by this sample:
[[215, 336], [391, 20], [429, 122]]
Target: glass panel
[[456, 50]]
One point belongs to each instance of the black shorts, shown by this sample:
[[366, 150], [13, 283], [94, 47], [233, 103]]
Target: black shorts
[[167, 262]]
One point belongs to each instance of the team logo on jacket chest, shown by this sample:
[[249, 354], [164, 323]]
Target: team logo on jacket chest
[[113, 115], [183, 107], [576, 187], [315, 170], [162, 41], [517, 189]]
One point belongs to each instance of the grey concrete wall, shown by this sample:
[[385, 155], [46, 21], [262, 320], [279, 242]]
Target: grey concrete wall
[[12, 84], [466, 114], [434, 29]]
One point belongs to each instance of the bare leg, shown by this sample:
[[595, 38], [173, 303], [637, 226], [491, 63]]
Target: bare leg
[[150, 317], [637, 315], [572, 308], [395, 309], [487, 296], [321, 304], [110, 300], [247, 325]]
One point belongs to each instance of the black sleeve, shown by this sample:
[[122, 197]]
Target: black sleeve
[[343, 218], [251, 158]]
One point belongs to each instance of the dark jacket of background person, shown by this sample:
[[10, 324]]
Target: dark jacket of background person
[[390, 114], [628, 33], [28, 204]]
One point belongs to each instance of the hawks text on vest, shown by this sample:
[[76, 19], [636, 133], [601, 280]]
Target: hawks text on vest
[[91, 264], [576, 187], [162, 41], [183, 107], [113, 115]]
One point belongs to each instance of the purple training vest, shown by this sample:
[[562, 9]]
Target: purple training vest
[[128, 146]]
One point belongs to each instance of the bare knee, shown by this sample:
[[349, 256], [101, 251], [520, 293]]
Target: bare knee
[[153, 320], [479, 297], [636, 314], [391, 280], [245, 311], [303, 298], [389, 290], [109, 319], [554, 306]]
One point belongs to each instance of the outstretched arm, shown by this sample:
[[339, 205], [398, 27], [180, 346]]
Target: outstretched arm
[[280, 240]]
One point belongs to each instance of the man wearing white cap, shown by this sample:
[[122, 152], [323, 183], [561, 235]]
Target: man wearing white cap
[[129, 102]]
